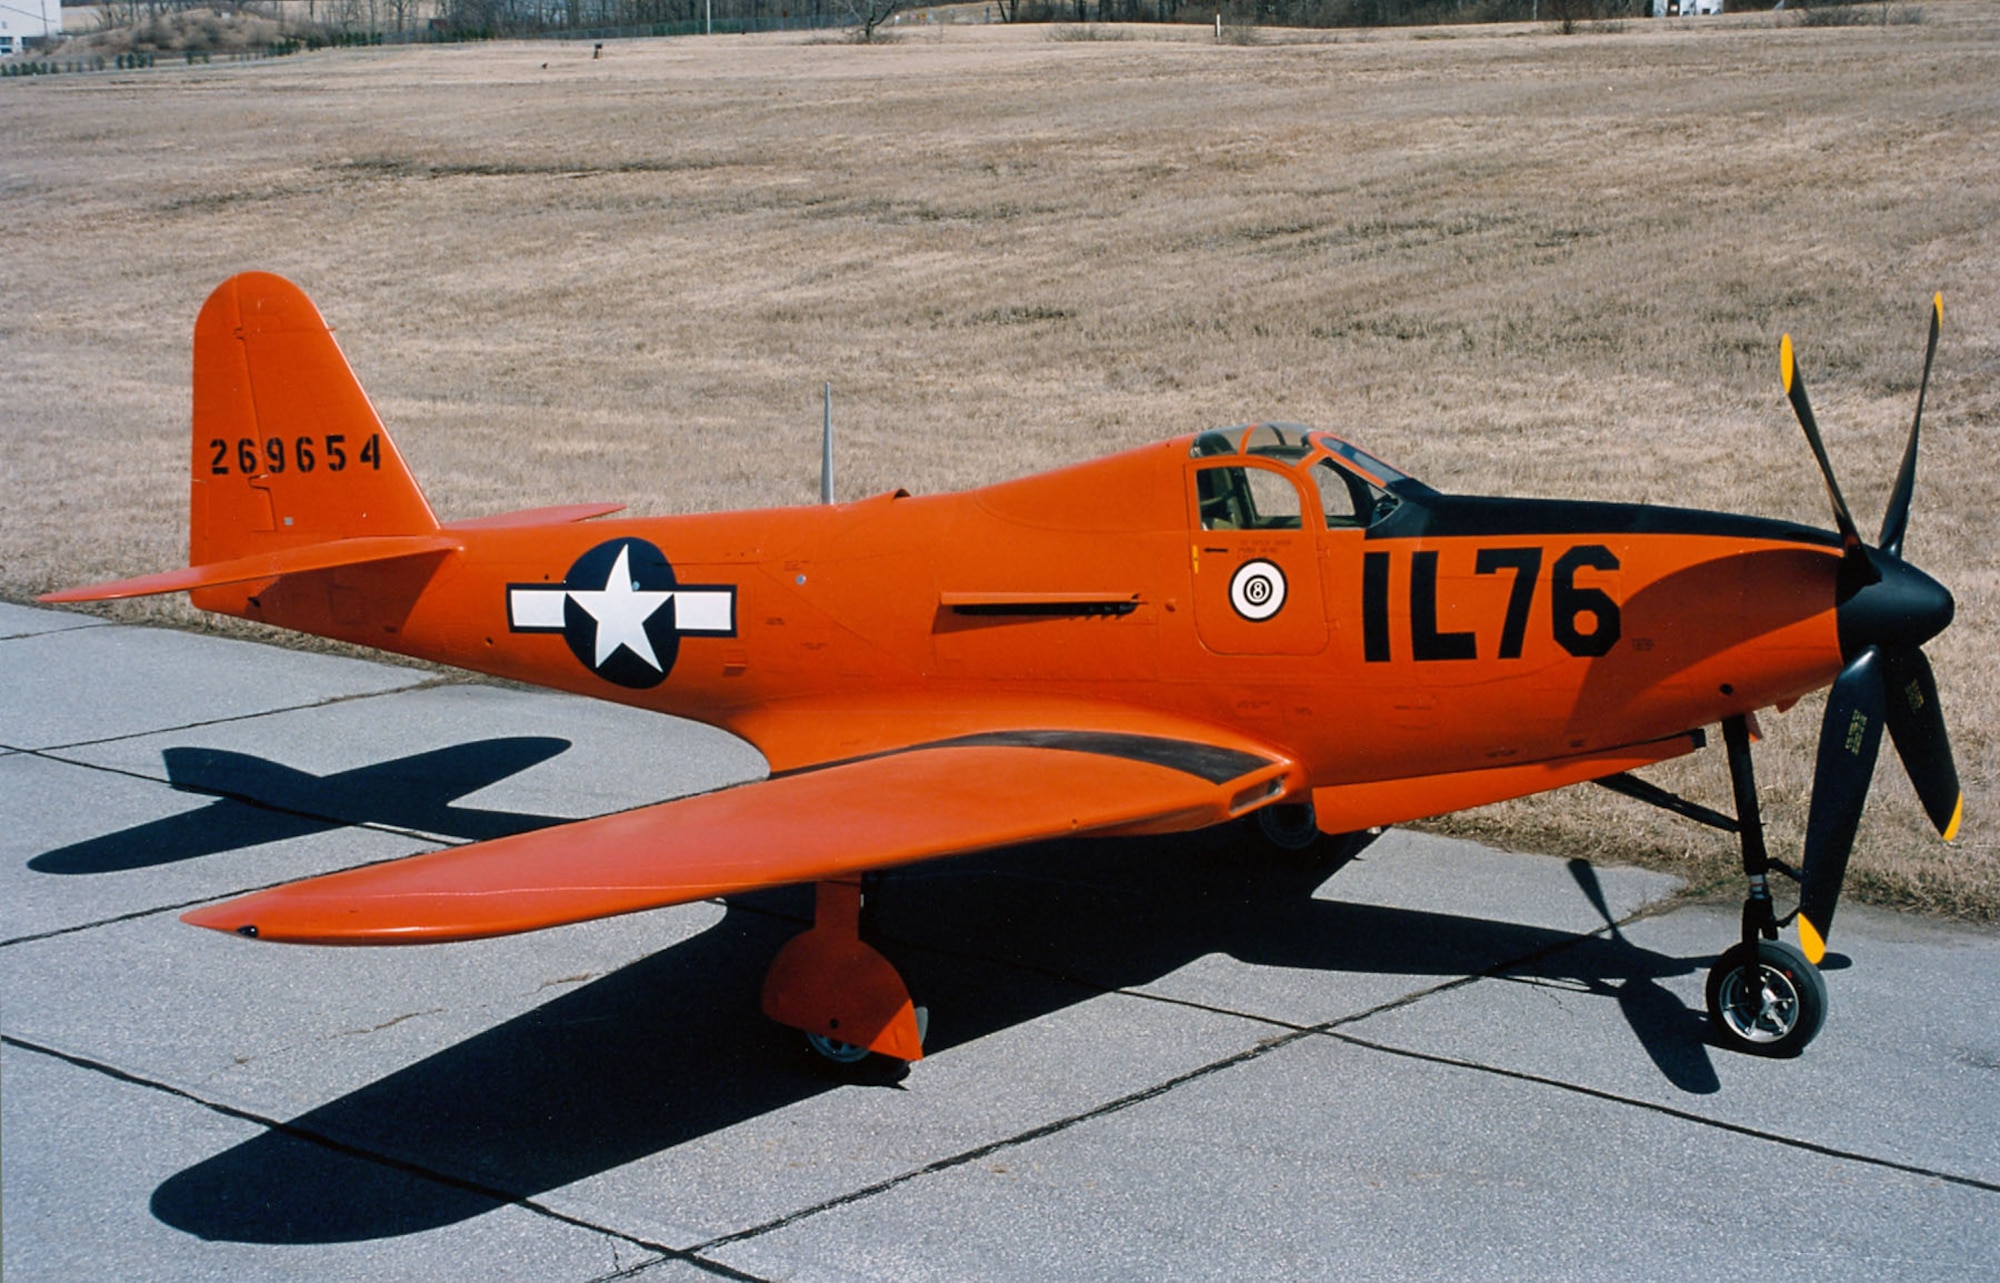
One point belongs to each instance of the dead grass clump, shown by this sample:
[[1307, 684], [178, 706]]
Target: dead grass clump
[[184, 31], [1858, 13], [1087, 32]]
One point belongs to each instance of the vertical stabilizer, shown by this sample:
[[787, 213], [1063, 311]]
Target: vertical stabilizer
[[287, 449]]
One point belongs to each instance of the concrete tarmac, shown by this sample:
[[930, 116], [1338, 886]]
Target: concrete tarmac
[[1149, 1059]]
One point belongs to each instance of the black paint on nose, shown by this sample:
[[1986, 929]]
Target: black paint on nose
[[1906, 607]]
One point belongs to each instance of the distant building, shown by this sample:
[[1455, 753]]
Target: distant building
[[1663, 8], [28, 24]]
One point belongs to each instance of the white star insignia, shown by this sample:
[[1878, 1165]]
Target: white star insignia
[[621, 611]]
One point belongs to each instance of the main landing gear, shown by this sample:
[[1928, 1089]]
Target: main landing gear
[[1764, 998], [844, 996]]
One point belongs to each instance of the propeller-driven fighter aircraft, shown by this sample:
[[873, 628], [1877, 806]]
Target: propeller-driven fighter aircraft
[[1261, 621]]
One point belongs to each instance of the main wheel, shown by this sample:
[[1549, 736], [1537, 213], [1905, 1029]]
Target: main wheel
[[1766, 999], [1289, 826], [849, 1054], [840, 1053]]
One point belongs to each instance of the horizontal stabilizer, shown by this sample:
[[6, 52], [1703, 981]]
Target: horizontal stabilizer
[[263, 565], [560, 515], [941, 799]]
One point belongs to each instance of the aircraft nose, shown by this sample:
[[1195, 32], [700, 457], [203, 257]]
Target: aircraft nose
[[1906, 607]]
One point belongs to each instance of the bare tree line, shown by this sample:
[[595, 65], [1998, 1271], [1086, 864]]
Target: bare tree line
[[511, 17], [505, 16]]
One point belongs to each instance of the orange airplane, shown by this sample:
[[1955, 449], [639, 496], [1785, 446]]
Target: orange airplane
[[1264, 620]]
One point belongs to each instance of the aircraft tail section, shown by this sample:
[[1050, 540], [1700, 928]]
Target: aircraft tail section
[[288, 451], [292, 475]]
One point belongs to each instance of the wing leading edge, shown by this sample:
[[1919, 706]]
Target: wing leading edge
[[972, 793]]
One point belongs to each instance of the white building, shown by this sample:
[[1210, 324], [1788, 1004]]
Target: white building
[[22, 21], [1661, 8]]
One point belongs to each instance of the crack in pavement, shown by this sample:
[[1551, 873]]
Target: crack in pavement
[[1295, 1032], [49, 750], [1291, 1032], [1655, 1107], [67, 628], [498, 1196]]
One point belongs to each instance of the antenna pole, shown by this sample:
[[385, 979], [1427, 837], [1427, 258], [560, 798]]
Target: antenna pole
[[826, 449]]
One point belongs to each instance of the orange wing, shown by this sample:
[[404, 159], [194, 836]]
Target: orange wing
[[967, 794]]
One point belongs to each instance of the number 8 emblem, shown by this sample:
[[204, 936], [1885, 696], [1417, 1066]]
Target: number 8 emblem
[[1257, 590]]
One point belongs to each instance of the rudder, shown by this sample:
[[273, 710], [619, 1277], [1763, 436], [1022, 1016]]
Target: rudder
[[287, 449]]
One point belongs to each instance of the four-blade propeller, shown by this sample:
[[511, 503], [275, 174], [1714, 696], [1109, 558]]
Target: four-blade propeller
[[1886, 609]]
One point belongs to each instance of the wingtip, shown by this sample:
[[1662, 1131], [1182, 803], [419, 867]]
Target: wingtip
[[226, 918]]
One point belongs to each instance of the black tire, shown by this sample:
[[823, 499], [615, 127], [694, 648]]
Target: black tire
[[835, 1051], [849, 1062], [1781, 1014], [1288, 826]]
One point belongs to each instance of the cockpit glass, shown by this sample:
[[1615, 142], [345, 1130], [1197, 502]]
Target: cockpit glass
[[1285, 441], [1348, 500], [1247, 498], [1359, 458], [1354, 487], [1290, 443]]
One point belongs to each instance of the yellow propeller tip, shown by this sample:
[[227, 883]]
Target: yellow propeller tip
[[1785, 360], [1937, 306], [1811, 943], [1957, 814]]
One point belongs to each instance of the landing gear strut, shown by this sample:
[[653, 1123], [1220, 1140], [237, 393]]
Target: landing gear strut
[[843, 995], [1764, 998]]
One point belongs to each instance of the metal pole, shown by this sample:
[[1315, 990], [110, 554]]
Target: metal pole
[[826, 449], [708, 17]]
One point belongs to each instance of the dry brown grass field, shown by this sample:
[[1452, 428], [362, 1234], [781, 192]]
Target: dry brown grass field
[[1509, 260]]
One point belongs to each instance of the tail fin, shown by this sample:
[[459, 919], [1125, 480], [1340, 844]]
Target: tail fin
[[287, 449]]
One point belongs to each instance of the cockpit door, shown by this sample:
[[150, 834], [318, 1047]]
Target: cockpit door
[[1255, 560]]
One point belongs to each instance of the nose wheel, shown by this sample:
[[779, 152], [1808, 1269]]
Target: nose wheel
[[1765, 999]]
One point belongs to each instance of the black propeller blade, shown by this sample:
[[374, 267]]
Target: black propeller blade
[[1849, 738], [1855, 568], [1916, 724], [1896, 518], [1886, 610]]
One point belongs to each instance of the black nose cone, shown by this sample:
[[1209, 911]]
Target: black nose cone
[[1906, 607]]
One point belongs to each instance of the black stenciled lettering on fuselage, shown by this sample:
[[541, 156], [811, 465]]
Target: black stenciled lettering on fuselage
[[1569, 603], [274, 455], [1426, 642], [1526, 563], [1375, 607]]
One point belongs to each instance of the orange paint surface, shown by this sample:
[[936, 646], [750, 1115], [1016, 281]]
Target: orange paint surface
[[1194, 628]]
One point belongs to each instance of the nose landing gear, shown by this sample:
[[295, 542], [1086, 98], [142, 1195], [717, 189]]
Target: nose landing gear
[[1764, 997]]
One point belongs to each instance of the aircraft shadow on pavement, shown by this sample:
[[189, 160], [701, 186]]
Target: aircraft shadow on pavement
[[672, 1048], [259, 801]]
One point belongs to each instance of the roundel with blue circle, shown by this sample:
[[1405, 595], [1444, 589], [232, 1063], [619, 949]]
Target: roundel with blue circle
[[623, 611]]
